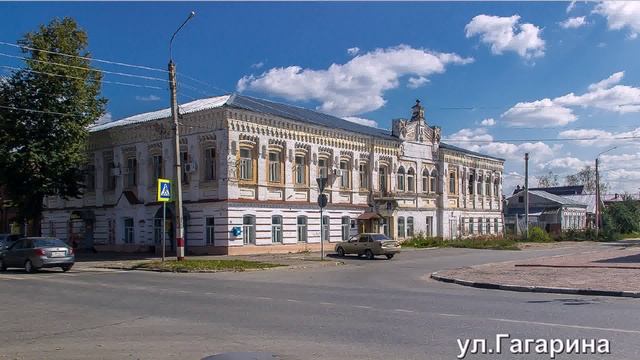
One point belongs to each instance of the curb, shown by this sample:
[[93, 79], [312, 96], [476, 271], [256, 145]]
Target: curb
[[538, 289]]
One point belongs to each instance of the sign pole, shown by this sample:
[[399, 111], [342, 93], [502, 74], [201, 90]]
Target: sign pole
[[321, 235], [164, 229]]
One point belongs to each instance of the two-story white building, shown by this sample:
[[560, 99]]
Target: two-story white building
[[252, 164]]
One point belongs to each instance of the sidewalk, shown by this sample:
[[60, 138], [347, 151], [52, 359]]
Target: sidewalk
[[606, 271]]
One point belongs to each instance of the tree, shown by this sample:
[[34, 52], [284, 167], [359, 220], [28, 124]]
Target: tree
[[548, 180], [46, 110], [586, 177]]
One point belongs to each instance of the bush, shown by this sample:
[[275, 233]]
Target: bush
[[536, 234], [477, 242]]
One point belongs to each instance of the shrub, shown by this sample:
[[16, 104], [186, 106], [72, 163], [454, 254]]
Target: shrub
[[477, 242], [536, 234]]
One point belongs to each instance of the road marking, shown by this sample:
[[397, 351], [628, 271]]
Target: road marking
[[293, 300], [445, 314], [327, 303], [403, 310], [363, 307], [566, 325]]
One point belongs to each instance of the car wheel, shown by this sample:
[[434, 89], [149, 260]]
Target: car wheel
[[389, 256], [369, 254], [66, 268], [3, 267], [28, 267], [340, 252]]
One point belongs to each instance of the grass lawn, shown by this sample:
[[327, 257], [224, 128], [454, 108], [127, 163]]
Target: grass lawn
[[471, 243], [190, 265]]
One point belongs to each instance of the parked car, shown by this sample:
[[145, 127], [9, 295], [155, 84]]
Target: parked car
[[368, 245], [7, 239], [34, 253]]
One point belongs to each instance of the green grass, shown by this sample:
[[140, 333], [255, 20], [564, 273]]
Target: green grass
[[204, 265], [633, 235], [494, 243]]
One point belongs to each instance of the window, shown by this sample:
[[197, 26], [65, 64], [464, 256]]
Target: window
[[433, 181], [452, 182], [425, 180], [400, 184], [471, 185], [496, 188], [496, 226], [184, 159], [275, 166], [248, 229], [411, 177], [410, 226], [479, 184], [364, 239], [157, 231], [382, 176], [364, 175], [210, 164], [520, 199], [302, 229], [344, 174], [132, 169], [109, 177], [128, 230], [300, 171], [487, 223], [90, 179], [156, 170], [276, 229], [345, 228], [470, 225], [401, 227], [429, 228], [210, 230], [487, 186], [480, 228], [326, 228], [323, 167], [246, 164]]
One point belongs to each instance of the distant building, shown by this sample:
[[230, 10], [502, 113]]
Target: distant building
[[249, 180], [548, 211]]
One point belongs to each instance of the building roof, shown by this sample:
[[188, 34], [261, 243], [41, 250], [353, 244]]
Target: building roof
[[585, 199], [562, 190], [237, 101], [552, 197]]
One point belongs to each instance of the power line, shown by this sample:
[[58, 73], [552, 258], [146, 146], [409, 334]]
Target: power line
[[85, 68], [541, 140], [40, 111], [79, 78], [84, 57]]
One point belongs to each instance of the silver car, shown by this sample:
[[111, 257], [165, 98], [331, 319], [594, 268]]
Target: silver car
[[7, 239], [33, 253]]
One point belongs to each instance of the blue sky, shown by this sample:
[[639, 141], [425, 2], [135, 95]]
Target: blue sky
[[513, 65]]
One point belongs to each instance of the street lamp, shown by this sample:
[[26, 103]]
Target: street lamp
[[176, 146], [598, 191]]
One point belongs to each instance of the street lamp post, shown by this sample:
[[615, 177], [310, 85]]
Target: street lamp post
[[598, 192], [176, 146]]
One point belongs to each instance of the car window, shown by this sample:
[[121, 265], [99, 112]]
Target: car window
[[49, 243], [354, 238], [379, 237], [16, 245], [27, 244], [364, 238]]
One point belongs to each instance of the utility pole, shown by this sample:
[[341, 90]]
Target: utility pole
[[176, 147], [597, 200], [526, 195]]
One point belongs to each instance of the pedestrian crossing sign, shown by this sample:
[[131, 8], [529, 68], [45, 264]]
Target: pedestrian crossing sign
[[164, 190]]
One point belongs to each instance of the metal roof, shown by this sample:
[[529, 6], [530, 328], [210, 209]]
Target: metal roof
[[469, 152], [555, 198]]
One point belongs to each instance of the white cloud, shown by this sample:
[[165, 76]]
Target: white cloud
[[574, 22], [488, 122], [353, 51], [507, 34], [416, 82], [257, 65], [603, 95], [466, 135], [355, 87], [361, 121], [571, 6], [601, 138], [567, 164], [106, 118], [621, 14], [148, 98], [614, 79]]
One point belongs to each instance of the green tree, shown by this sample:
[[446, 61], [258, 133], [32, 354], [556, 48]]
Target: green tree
[[45, 112]]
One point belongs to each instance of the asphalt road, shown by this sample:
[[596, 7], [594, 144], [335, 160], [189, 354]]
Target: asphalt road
[[363, 310]]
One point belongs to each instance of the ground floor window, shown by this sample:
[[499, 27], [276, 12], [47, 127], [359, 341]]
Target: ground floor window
[[128, 230], [276, 229], [157, 231], [326, 229], [210, 230], [470, 226], [401, 233], [488, 225], [346, 223], [480, 228], [248, 229], [495, 226], [302, 229], [410, 226], [429, 227]]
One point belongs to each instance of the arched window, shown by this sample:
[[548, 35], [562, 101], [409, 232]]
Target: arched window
[[479, 184], [400, 184], [300, 170], [401, 233], [326, 229], [248, 229], [245, 166], [425, 180], [276, 229], [496, 187], [433, 181], [382, 177], [411, 180], [323, 167], [275, 165], [452, 182], [345, 174], [410, 226], [364, 175], [346, 223], [471, 185], [302, 228], [487, 185]]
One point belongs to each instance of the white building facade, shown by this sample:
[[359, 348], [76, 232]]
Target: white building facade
[[251, 165]]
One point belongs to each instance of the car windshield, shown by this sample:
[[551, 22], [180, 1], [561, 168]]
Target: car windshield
[[379, 237], [49, 243]]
